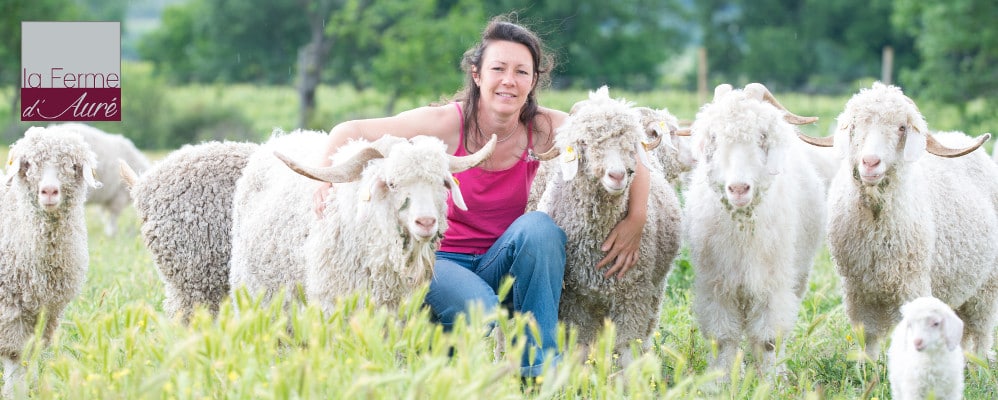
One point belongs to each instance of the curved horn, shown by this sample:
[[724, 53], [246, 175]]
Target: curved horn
[[684, 132], [128, 175], [656, 139], [551, 154], [458, 164], [347, 171], [827, 141], [932, 146], [789, 116]]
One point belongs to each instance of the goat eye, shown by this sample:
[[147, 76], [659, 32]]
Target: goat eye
[[391, 185], [902, 129], [630, 171]]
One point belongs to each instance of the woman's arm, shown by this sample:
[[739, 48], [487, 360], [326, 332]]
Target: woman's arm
[[624, 242]]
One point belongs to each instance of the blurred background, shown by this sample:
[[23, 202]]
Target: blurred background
[[195, 70]]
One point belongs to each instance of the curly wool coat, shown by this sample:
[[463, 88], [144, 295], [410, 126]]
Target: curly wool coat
[[752, 262], [929, 228], [43, 250], [361, 243], [185, 204], [598, 128]]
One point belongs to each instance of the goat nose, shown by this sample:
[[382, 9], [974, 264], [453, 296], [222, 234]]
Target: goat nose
[[50, 191], [919, 344], [616, 176], [738, 188], [871, 161], [426, 222]]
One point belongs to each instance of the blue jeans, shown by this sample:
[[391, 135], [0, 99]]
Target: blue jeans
[[532, 250]]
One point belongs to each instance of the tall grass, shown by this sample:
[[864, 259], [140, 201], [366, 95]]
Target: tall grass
[[115, 343]]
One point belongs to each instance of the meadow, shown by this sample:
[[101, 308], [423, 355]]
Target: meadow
[[115, 342]]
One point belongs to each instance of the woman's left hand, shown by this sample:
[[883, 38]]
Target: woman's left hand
[[622, 247]]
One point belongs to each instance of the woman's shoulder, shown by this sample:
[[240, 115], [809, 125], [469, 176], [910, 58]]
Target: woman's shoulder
[[546, 125]]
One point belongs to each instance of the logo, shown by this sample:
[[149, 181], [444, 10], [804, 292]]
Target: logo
[[70, 71]]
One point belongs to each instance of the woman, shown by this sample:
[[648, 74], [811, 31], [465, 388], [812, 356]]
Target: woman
[[494, 238]]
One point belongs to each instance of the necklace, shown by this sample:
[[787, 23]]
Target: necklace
[[503, 139]]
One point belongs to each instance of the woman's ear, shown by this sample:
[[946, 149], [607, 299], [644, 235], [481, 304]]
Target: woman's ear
[[475, 76]]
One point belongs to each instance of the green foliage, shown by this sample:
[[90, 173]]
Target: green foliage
[[619, 43], [115, 342], [228, 41], [958, 46], [812, 45], [421, 45]]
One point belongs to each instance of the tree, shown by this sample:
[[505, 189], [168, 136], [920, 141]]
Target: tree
[[810, 45], [12, 12], [228, 41], [622, 43], [957, 42]]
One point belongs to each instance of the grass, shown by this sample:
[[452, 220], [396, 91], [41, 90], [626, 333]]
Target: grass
[[115, 342]]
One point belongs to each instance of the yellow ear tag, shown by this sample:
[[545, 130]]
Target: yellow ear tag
[[10, 159], [569, 155], [365, 194], [456, 182]]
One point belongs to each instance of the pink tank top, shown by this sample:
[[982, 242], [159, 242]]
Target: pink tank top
[[494, 199]]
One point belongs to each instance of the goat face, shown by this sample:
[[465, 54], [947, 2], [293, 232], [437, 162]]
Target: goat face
[[879, 130], [737, 170], [930, 326], [418, 204], [52, 182]]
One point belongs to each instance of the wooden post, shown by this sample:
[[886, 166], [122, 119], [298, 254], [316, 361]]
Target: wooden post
[[702, 75], [887, 65]]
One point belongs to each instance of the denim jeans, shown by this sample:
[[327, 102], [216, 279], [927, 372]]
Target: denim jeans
[[532, 250]]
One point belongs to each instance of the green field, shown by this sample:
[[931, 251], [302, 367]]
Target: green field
[[115, 342]]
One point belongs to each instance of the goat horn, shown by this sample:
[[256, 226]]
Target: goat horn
[[827, 141], [684, 132], [128, 175], [347, 171], [932, 146], [551, 154], [458, 164], [656, 139], [788, 116]]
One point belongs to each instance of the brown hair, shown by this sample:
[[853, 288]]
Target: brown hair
[[500, 28]]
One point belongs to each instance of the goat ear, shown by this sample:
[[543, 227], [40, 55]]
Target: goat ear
[[952, 329], [914, 143], [455, 193], [843, 132], [90, 176], [639, 148], [569, 163], [13, 167]]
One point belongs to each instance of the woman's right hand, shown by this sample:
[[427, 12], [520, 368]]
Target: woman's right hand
[[320, 198]]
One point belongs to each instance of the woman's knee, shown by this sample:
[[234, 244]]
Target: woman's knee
[[538, 227]]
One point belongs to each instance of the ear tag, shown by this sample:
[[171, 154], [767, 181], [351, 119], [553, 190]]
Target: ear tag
[[569, 155], [365, 194]]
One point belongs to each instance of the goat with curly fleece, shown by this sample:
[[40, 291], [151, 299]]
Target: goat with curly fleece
[[185, 204], [904, 224], [43, 239], [755, 220], [379, 231], [598, 149]]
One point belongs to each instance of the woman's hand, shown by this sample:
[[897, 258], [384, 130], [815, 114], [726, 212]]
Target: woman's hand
[[320, 198], [622, 246]]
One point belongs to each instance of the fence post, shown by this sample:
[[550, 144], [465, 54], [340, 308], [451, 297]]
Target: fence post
[[702, 75], [887, 65]]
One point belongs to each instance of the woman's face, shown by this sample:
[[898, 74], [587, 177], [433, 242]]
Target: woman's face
[[506, 77]]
